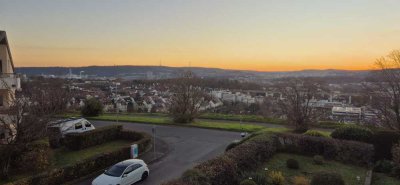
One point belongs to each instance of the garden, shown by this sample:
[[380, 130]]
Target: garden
[[51, 162], [350, 155]]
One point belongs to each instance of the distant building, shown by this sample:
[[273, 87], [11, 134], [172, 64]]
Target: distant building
[[347, 114]]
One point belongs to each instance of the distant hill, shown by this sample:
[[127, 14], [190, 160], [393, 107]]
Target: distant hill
[[137, 72]]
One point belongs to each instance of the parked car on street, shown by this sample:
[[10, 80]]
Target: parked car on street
[[72, 125], [124, 173]]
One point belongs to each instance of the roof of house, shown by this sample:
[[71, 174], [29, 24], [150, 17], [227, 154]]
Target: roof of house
[[4, 41]]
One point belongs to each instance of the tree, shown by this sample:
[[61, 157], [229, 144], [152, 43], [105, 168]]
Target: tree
[[92, 107], [295, 103], [385, 90], [186, 99], [27, 116]]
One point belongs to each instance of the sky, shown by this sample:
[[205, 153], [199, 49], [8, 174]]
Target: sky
[[262, 35]]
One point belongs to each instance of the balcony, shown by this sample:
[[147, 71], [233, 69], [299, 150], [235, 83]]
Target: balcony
[[10, 81]]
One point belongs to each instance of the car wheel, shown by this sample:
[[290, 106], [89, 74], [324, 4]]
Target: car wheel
[[144, 176]]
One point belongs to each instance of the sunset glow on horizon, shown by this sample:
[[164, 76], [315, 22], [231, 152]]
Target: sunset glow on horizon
[[261, 35]]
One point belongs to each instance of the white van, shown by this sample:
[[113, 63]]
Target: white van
[[72, 125]]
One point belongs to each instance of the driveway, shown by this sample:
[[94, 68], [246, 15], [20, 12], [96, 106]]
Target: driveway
[[187, 147]]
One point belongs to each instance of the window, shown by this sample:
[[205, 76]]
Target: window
[[78, 125], [87, 124], [1, 66], [1, 100], [136, 166], [129, 169], [2, 135]]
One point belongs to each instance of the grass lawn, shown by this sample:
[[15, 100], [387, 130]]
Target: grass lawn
[[63, 156], [382, 179], [227, 126], [348, 172]]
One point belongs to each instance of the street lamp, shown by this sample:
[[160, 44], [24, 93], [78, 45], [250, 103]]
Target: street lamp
[[116, 95]]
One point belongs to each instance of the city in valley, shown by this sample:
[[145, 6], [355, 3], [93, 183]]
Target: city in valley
[[199, 92]]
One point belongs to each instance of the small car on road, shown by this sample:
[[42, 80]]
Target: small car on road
[[124, 173]]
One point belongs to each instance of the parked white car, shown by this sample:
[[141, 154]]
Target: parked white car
[[124, 173], [72, 125]]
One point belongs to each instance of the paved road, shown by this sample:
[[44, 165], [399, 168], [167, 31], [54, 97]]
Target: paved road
[[187, 147]]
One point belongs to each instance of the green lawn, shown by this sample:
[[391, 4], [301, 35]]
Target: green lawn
[[227, 126], [63, 156], [348, 172], [382, 179]]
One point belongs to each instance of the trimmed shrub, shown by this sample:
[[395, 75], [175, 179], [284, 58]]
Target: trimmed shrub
[[92, 107], [345, 151], [195, 177], [34, 157], [383, 142], [292, 164], [248, 182], [353, 133], [85, 167], [314, 133], [220, 171], [276, 178], [395, 171], [232, 145], [383, 166], [300, 180], [252, 153], [78, 141], [319, 160], [327, 178]]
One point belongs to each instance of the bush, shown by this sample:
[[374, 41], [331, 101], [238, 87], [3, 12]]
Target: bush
[[92, 107], [195, 177], [396, 154], [252, 153], [300, 180], [327, 178], [383, 166], [292, 164], [314, 133], [383, 142], [85, 167], [276, 178], [232, 145], [34, 157], [345, 151], [78, 141], [319, 160], [220, 171], [352, 132], [248, 182], [395, 171]]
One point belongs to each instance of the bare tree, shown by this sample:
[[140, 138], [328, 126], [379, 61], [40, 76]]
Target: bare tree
[[27, 117], [186, 100], [295, 102], [385, 90]]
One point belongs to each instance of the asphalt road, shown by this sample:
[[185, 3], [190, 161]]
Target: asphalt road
[[187, 147]]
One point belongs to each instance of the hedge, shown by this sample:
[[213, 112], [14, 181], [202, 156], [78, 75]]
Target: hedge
[[72, 172], [225, 169], [341, 150], [78, 141], [384, 142], [353, 133]]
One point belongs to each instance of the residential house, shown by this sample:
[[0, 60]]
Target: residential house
[[9, 83]]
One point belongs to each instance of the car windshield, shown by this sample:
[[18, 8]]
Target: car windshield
[[115, 171]]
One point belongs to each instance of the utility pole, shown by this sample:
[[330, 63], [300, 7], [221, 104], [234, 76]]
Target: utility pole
[[116, 94], [154, 141]]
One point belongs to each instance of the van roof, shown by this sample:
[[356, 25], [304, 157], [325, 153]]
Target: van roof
[[66, 123]]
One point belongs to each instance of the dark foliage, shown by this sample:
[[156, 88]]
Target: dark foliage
[[319, 160], [327, 178], [292, 164], [195, 177], [354, 133], [383, 166], [345, 151], [92, 107], [248, 182], [383, 142], [78, 141]]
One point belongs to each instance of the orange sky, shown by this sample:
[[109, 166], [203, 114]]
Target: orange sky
[[252, 35]]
